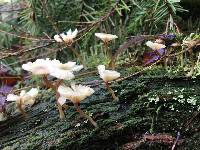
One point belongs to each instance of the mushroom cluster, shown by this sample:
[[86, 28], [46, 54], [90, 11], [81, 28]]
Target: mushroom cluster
[[52, 67], [61, 71], [64, 71]]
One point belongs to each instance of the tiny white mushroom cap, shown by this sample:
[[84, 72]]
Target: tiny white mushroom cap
[[106, 37], [33, 92], [66, 66], [61, 100], [70, 65], [22, 93], [39, 67], [62, 74], [71, 34], [63, 36], [26, 98], [75, 93], [29, 97], [57, 38], [155, 46], [68, 38], [107, 75], [12, 97], [64, 71], [77, 68], [101, 68]]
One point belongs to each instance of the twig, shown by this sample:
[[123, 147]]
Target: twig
[[136, 73], [177, 138], [28, 50], [23, 37]]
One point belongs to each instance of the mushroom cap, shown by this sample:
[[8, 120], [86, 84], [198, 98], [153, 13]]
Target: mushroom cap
[[75, 93], [62, 74], [70, 65], [25, 98], [106, 37], [64, 71], [107, 75], [57, 38], [39, 67], [67, 38], [155, 46]]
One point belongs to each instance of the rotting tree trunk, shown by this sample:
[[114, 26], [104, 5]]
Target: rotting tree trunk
[[121, 125]]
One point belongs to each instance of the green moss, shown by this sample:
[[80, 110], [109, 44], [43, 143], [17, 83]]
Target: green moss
[[134, 114]]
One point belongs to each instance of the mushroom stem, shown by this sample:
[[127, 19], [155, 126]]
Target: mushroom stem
[[115, 98], [77, 55], [65, 106], [61, 112], [108, 52], [48, 84], [58, 83], [84, 115], [21, 109], [55, 87], [112, 63]]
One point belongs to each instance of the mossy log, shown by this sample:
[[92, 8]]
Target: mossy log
[[131, 123]]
